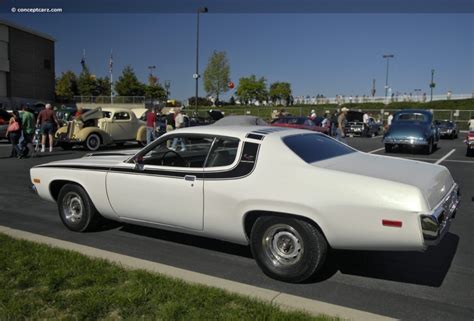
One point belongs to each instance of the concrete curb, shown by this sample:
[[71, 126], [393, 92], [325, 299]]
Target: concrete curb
[[283, 300]]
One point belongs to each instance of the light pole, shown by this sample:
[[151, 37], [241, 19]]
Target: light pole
[[151, 69], [196, 75], [432, 83], [167, 87], [417, 92], [388, 56]]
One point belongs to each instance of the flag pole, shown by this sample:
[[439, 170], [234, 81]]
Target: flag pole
[[111, 78]]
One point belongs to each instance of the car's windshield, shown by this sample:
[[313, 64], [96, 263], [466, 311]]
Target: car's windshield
[[316, 147], [411, 117]]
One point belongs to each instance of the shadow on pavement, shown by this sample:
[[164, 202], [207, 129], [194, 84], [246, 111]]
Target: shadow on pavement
[[423, 268], [186, 239]]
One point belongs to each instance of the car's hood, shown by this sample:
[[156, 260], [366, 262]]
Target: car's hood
[[102, 160], [407, 129], [434, 181], [92, 114]]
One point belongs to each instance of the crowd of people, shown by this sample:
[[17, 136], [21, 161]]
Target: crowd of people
[[22, 127]]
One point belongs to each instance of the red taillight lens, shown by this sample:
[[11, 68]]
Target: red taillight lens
[[391, 223]]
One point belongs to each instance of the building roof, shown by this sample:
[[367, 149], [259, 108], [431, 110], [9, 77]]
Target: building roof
[[26, 29]]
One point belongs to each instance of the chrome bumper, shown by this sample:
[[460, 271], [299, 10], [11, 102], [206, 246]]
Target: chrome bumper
[[436, 224], [405, 141]]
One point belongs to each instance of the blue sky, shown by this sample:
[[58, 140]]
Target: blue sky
[[317, 53]]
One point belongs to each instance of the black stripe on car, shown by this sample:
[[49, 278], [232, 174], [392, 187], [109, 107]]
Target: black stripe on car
[[244, 167]]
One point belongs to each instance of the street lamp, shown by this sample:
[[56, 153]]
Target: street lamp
[[151, 69], [432, 83], [388, 56], [167, 87], [196, 75]]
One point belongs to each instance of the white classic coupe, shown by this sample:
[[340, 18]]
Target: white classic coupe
[[290, 194]]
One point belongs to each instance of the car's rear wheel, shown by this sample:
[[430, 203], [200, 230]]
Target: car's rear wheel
[[428, 149], [287, 249], [92, 142], [388, 148], [76, 210]]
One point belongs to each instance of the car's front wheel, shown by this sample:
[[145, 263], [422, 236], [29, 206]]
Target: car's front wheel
[[76, 210], [388, 148], [92, 142], [287, 249]]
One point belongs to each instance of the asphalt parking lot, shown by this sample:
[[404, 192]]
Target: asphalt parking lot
[[434, 285]]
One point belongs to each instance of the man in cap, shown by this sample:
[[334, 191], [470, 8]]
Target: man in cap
[[341, 123]]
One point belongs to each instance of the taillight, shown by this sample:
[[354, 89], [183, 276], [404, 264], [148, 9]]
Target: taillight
[[391, 223]]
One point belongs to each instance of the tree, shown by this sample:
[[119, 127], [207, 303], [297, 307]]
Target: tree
[[251, 88], [103, 87], [202, 101], [217, 74], [280, 91], [154, 89], [128, 84], [86, 83], [66, 86]]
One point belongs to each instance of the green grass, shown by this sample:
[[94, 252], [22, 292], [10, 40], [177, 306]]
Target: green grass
[[40, 282]]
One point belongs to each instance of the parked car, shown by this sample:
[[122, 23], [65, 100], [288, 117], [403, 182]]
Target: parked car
[[300, 123], [412, 128], [240, 120], [470, 143], [447, 128], [355, 125], [259, 186], [99, 127]]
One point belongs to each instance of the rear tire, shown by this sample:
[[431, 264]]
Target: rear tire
[[76, 210], [92, 142], [429, 148], [287, 249]]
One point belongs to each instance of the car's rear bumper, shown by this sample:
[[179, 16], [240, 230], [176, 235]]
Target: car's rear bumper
[[436, 224], [405, 141]]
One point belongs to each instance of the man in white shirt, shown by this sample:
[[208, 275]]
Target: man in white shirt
[[470, 122], [389, 119]]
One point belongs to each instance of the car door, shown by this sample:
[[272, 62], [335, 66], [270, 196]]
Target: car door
[[121, 126], [165, 186]]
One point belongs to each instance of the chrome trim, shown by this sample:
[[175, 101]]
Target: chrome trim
[[408, 141], [436, 224]]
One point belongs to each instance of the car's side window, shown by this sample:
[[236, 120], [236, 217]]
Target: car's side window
[[223, 153], [122, 116], [180, 151]]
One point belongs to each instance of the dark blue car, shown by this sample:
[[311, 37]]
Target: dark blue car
[[412, 128]]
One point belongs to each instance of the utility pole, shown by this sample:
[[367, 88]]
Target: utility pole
[[432, 83], [196, 75]]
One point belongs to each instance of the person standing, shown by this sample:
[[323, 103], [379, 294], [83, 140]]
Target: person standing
[[470, 123], [14, 133], [47, 120], [334, 123], [312, 115], [150, 125], [179, 123], [389, 120], [28, 128], [341, 124]]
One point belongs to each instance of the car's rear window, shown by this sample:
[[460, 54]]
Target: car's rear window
[[411, 117], [316, 147]]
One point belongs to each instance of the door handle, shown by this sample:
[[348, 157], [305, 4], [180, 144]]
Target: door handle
[[190, 178]]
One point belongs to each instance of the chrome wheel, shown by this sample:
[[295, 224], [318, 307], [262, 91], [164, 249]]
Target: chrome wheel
[[283, 245], [73, 207]]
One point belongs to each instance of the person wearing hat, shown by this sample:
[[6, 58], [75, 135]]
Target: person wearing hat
[[313, 115], [341, 123]]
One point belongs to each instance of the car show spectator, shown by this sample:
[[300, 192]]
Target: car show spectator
[[78, 113], [150, 125], [13, 133], [170, 122], [334, 123], [326, 122], [312, 115], [48, 122], [28, 131], [389, 120], [341, 125], [179, 123], [470, 123]]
